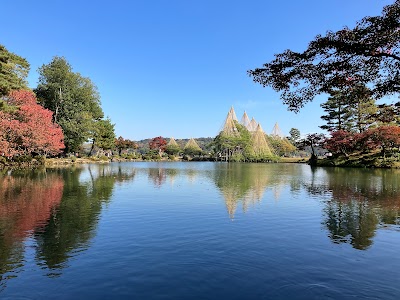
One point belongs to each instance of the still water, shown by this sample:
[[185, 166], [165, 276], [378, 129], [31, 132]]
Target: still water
[[200, 231]]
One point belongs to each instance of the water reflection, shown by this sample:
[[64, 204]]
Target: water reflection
[[245, 184], [73, 224], [239, 184], [55, 213], [158, 176], [57, 209], [358, 203], [27, 201]]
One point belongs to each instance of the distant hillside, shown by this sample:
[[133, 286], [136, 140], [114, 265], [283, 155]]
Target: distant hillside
[[143, 145]]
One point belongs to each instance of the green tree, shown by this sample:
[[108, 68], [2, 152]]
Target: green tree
[[13, 72], [280, 146], [192, 148], [294, 135], [362, 108], [103, 135], [75, 221], [388, 114], [368, 53], [337, 111], [172, 149], [73, 99], [236, 147]]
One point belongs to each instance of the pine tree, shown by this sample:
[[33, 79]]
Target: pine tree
[[362, 108], [337, 112], [13, 72]]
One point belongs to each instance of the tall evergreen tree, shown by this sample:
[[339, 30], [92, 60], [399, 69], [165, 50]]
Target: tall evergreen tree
[[13, 72], [294, 135], [73, 99], [362, 108], [337, 112], [103, 135]]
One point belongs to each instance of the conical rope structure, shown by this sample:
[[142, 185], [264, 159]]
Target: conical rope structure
[[192, 144], [276, 131], [253, 125], [260, 144], [172, 142], [229, 128], [245, 121]]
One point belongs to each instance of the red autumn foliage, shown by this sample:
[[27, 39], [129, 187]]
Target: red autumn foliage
[[341, 142], [121, 144], [29, 129], [158, 143], [27, 204], [384, 137]]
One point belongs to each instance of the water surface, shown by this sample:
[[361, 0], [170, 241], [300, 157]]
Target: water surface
[[201, 231]]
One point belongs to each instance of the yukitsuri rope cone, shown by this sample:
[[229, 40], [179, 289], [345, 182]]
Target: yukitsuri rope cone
[[229, 128], [260, 144], [192, 144], [276, 131], [172, 142], [253, 125], [245, 121]]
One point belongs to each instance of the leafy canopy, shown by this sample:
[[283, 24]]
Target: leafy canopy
[[104, 135], [74, 100], [368, 54], [29, 128], [13, 72]]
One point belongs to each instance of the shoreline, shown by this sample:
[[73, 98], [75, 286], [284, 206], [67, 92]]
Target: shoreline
[[322, 162]]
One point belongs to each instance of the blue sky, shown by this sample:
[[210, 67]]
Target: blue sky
[[174, 68]]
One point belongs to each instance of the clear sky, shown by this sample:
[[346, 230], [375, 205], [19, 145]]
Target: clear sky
[[174, 68]]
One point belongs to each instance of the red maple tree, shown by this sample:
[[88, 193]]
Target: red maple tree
[[29, 128], [158, 143], [385, 137], [341, 142]]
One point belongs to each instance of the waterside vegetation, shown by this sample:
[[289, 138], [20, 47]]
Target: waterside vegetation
[[353, 67]]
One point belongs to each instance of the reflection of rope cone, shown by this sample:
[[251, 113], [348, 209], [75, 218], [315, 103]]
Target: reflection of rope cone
[[277, 192], [191, 174], [230, 203], [171, 175], [171, 180], [249, 195]]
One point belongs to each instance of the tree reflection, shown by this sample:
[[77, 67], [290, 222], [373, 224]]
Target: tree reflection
[[158, 176], [59, 208], [246, 184], [26, 204], [360, 201], [74, 223]]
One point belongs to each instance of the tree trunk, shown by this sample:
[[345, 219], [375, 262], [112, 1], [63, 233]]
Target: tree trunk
[[313, 160], [91, 149]]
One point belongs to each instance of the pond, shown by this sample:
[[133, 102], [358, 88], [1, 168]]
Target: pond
[[149, 230]]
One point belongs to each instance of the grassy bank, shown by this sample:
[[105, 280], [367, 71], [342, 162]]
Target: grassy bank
[[361, 160]]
